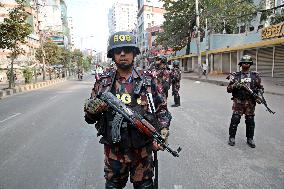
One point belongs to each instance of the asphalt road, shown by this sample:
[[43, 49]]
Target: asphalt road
[[44, 142]]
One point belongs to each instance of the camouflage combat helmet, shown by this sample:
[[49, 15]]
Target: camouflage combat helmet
[[121, 39], [175, 63], [246, 59], [163, 58]]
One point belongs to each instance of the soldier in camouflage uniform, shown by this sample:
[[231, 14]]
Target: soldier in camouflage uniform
[[175, 80], [243, 101], [162, 74], [132, 153]]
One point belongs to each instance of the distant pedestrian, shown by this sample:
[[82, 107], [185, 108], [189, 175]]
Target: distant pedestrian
[[204, 69]]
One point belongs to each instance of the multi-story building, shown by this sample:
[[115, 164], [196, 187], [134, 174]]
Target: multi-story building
[[150, 14], [263, 41], [54, 21], [72, 36], [122, 16], [32, 40]]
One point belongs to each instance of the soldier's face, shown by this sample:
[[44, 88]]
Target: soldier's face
[[245, 66], [123, 55]]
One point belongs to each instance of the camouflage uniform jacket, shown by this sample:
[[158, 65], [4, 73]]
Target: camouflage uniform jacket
[[175, 75], [163, 79], [251, 79], [133, 144]]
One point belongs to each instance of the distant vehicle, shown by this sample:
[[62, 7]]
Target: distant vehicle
[[93, 72]]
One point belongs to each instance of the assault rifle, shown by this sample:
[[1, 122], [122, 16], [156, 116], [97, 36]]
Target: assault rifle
[[260, 98], [137, 121]]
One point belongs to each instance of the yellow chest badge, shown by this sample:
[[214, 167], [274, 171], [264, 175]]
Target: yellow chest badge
[[126, 98]]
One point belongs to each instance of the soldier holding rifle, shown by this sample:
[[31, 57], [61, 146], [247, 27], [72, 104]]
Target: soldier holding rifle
[[127, 150], [245, 87]]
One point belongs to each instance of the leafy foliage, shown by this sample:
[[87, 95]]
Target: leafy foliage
[[77, 57], [15, 29], [28, 75], [87, 63], [180, 19], [13, 33], [52, 53]]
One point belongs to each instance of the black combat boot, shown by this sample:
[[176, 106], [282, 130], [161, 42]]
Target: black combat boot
[[231, 141], [250, 125], [235, 120], [177, 101], [250, 142]]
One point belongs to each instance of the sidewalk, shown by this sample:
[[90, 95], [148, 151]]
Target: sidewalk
[[21, 87], [275, 87]]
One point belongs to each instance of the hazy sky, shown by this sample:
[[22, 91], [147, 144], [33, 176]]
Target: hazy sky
[[90, 18]]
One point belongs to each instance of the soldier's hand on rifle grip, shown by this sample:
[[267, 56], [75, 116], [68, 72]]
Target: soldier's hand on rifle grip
[[258, 100], [237, 85], [165, 134], [157, 147], [95, 106]]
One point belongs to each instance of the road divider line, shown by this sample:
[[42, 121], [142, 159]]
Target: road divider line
[[10, 117], [51, 98]]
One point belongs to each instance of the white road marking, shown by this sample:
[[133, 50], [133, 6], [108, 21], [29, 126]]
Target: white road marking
[[51, 98], [177, 186], [197, 82], [10, 117]]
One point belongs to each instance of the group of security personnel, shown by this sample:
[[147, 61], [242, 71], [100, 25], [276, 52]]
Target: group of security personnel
[[131, 152], [167, 77]]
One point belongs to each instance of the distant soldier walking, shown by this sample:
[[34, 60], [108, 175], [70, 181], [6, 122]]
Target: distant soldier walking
[[175, 80], [245, 86]]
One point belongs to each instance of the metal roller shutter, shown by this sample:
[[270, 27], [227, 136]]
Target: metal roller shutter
[[217, 63], [226, 62], [264, 63], [279, 62], [234, 65]]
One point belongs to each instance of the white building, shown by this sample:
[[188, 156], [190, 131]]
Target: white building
[[50, 15], [72, 35], [150, 13], [122, 16]]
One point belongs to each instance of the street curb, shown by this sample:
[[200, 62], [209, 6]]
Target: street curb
[[223, 83], [28, 87]]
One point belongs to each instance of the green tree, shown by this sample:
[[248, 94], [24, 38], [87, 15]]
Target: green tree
[[28, 75], [13, 33], [87, 63], [180, 19], [77, 57], [65, 59], [52, 53]]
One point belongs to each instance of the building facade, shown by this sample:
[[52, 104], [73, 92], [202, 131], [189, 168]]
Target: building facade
[[71, 34], [150, 14], [122, 16], [222, 52], [32, 40]]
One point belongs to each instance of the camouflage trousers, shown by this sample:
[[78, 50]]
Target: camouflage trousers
[[175, 89], [117, 170], [241, 107]]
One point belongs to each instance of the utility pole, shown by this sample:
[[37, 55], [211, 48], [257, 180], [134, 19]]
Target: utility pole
[[198, 38], [40, 41]]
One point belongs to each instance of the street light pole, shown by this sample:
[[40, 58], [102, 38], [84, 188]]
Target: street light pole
[[198, 38]]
